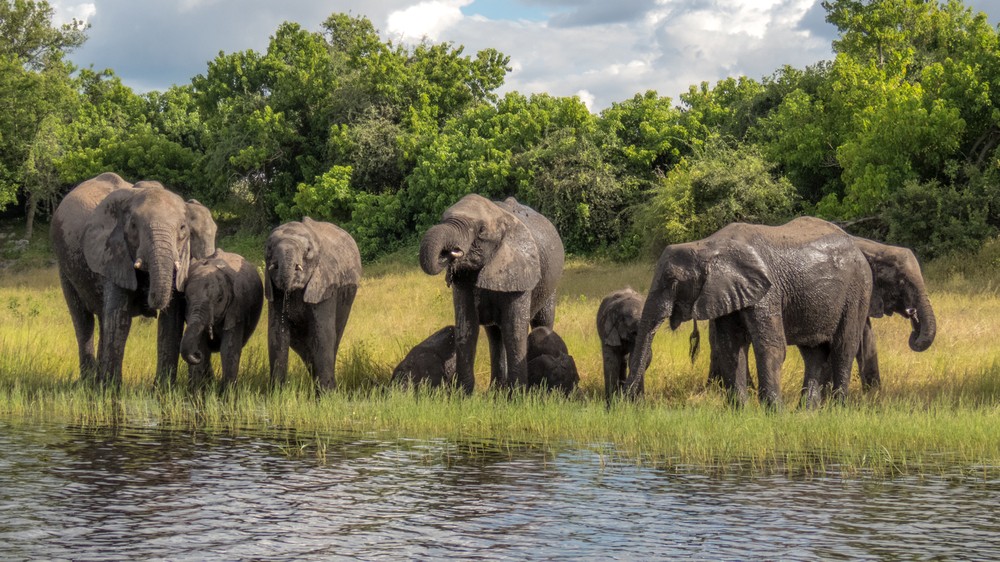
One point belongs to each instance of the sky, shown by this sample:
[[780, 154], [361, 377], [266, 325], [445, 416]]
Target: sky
[[603, 51]]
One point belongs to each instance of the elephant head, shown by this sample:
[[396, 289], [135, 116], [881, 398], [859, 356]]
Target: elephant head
[[299, 258], [477, 237], [898, 287], [146, 229], [697, 281], [203, 230], [210, 294]]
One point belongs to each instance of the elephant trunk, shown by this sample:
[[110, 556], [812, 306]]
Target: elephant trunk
[[438, 247], [924, 325], [161, 262], [197, 322], [653, 315]]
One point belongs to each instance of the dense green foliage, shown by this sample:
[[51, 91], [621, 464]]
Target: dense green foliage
[[899, 135]]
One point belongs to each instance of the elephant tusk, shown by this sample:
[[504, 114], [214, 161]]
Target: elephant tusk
[[177, 264], [272, 267], [911, 313], [457, 253], [138, 263], [298, 267]]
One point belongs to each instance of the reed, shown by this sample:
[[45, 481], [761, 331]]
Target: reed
[[937, 410]]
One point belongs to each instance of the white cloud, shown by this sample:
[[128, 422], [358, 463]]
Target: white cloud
[[426, 19], [66, 12], [587, 98]]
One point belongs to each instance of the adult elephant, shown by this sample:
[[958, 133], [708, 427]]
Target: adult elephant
[[897, 288], [804, 283], [503, 262], [313, 271], [122, 251]]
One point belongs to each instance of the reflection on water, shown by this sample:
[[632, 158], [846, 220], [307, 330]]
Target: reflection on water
[[141, 493]]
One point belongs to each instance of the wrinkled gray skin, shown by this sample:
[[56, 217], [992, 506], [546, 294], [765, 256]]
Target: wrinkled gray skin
[[313, 271], [124, 250], [550, 365], [617, 326], [503, 263], [804, 283], [224, 297], [897, 288], [430, 362]]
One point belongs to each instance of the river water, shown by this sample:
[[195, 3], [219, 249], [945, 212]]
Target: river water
[[147, 493]]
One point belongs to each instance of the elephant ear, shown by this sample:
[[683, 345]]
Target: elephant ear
[[515, 265], [735, 278], [202, 228], [876, 305], [326, 277], [104, 245]]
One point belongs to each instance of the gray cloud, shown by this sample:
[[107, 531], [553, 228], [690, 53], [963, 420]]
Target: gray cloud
[[152, 44], [607, 51]]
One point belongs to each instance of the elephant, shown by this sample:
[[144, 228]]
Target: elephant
[[224, 298], [897, 287], [503, 262], [312, 277], [617, 326], [431, 361], [549, 363], [124, 250], [804, 283]]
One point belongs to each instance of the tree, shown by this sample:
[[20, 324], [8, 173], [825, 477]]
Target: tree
[[35, 95]]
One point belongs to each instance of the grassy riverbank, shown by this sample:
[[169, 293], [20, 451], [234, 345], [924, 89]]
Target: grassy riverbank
[[940, 408]]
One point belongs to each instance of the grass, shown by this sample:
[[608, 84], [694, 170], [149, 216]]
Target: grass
[[937, 410]]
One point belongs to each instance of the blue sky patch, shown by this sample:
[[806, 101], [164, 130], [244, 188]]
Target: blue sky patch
[[506, 10]]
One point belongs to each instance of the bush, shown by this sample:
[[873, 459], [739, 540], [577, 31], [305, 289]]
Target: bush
[[716, 186], [935, 219]]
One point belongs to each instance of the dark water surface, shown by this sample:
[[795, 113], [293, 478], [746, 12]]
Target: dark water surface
[[146, 493]]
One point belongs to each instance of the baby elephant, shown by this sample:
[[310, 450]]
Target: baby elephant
[[430, 362], [549, 363], [617, 325], [224, 297]]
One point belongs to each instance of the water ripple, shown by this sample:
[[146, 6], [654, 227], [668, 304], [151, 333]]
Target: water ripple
[[145, 493]]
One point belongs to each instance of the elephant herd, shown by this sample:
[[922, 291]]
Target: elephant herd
[[125, 250]]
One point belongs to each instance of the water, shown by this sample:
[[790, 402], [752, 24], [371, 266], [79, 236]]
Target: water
[[148, 493]]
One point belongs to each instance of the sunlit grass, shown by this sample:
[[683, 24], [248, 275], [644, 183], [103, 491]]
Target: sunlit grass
[[937, 408]]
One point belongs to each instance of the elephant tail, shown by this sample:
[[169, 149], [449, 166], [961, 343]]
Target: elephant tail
[[695, 342]]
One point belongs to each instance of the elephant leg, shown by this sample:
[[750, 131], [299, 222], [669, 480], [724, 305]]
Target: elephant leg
[[277, 341], [324, 339], [868, 370], [730, 342], [230, 352], [817, 374], [345, 300], [83, 326], [116, 321], [767, 335], [546, 316], [498, 357], [515, 339], [169, 331], [466, 334], [844, 351], [614, 370]]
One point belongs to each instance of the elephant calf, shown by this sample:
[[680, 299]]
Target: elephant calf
[[224, 300], [313, 271], [549, 363], [430, 362], [617, 325]]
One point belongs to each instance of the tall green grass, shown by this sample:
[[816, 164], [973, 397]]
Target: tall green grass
[[936, 410]]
